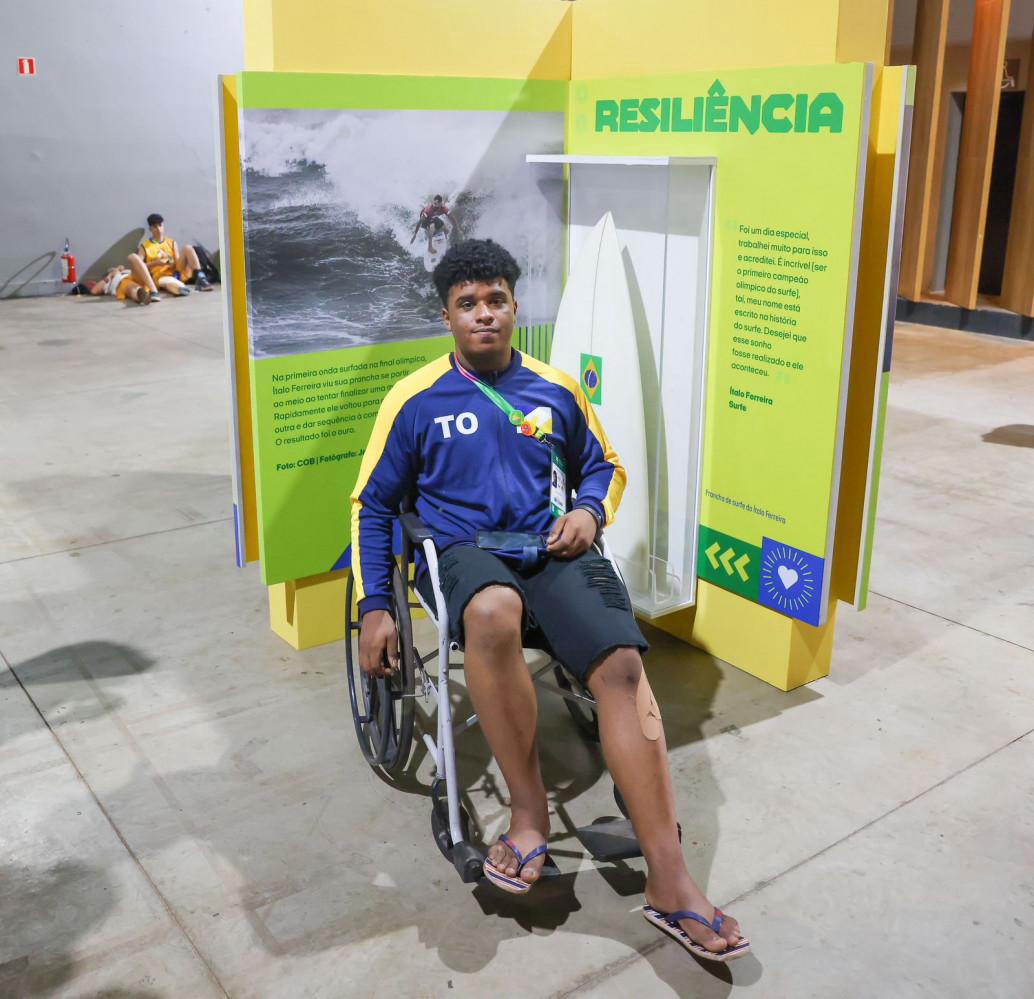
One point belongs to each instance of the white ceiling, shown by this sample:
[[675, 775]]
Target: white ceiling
[[960, 20]]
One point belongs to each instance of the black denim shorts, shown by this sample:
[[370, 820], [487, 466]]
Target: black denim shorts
[[579, 606]]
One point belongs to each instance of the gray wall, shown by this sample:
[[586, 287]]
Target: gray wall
[[119, 121]]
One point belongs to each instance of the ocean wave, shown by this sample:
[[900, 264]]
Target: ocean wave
[[331, 200]]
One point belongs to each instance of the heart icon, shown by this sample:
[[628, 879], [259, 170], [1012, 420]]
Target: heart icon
[[788, 577]]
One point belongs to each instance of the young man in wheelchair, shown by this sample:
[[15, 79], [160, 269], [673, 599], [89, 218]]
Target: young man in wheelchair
[[488, 440]]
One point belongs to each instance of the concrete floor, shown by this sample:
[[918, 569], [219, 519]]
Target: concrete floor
[[185, 812]]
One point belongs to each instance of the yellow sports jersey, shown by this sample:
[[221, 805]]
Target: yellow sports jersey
[[153, 253]]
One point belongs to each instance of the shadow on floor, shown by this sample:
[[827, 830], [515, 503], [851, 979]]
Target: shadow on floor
[[320, 865], [685, 682], [96, 660], [1013, 435], [69, 667], [44, 913]]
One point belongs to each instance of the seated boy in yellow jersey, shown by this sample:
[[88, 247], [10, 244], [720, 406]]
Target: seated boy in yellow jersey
[[160, 263]]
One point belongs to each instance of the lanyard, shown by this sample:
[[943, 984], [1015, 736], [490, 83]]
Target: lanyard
[[515, 416]]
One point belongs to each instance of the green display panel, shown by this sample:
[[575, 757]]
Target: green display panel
[[353, 188], [789, 145]]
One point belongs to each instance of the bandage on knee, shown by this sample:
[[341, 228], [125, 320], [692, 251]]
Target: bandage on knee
[[647, 709]]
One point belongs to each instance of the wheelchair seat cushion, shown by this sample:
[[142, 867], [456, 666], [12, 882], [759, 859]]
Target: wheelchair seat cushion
[[577, 609]]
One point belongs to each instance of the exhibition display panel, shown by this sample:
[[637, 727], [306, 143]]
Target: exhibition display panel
[[340, 303], [790, 144], [707, 224]]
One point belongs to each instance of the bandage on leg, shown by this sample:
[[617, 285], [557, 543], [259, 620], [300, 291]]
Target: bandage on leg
[[173, 286], [647, 710]]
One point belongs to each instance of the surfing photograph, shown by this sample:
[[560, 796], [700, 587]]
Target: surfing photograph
[[347, 213]]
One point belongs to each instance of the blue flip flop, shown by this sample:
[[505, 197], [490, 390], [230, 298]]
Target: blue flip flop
[[513, 885], [668, 922]]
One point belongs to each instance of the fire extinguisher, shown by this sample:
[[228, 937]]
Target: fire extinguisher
[[68, 266]]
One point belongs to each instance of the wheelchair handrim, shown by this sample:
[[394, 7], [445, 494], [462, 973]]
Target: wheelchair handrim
[[384, 739]]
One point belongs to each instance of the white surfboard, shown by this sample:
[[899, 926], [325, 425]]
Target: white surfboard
[[435, 249], [596, 319]]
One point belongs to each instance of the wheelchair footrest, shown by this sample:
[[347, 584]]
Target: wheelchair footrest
[[610, 840], [467, 859]]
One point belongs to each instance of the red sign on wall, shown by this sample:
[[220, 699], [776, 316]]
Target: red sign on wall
[[26, 67]]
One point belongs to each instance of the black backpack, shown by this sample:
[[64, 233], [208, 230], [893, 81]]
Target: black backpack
[[207, 263]]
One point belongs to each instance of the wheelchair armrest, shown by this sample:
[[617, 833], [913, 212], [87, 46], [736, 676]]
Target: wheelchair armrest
[[416, 530]]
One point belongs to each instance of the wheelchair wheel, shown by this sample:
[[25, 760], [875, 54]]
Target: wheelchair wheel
[[584, 715], [382, 708]]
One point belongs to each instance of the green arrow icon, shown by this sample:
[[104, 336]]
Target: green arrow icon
[[742, 561], [725, 558], [728, 562]]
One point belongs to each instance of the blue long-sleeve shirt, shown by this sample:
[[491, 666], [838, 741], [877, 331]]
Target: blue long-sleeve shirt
[[440, 440]]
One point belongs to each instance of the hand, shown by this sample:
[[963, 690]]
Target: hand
[[572, 534], [377, 638]]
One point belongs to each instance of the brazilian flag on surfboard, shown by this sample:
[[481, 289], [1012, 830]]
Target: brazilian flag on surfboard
[[592, 377]]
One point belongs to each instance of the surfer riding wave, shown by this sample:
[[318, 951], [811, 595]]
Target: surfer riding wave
[[333, 200], [441, 227], [435, 218]]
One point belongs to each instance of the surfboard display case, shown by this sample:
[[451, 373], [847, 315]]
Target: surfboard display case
[[632, 329]]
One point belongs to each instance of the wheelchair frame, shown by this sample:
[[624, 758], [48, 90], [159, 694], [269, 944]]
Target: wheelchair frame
[[380, 695]]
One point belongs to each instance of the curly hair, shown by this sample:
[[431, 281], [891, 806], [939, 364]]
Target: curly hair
[[474, 260]]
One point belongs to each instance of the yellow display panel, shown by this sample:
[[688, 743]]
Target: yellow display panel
[[874, 320], [863, 31], [595, 38], [311, 611], [530, 40], [236, 327], [258, 35], [617, 38], [774, 648]]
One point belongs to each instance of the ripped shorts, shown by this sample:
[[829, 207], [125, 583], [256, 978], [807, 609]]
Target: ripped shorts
[[580, 607]]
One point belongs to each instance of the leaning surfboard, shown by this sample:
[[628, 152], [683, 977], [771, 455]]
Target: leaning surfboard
[[594, 341]]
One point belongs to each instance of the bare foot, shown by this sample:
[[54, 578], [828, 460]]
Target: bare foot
[[669, 900]]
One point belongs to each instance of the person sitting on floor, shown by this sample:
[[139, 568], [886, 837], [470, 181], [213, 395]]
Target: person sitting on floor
[[119, 283], [160, 263], [454, 436]]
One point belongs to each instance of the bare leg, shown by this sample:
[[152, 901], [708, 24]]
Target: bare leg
[[504, 698], [187, 263], [639, 766], [140, 272], [137, 292]]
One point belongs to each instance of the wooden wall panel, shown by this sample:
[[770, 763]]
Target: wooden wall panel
[[920, 227], [1018, 282], [976, 151]]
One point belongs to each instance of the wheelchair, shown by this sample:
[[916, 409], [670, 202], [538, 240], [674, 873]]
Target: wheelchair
[[384, 708]]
